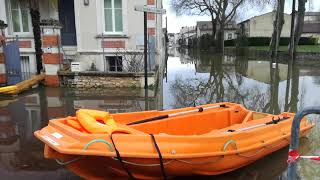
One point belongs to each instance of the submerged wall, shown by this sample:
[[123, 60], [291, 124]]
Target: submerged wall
[[95, 79]]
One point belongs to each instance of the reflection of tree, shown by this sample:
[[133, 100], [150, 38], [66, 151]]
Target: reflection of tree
[[273, 104], [292, 88], [227, 82], [223, 84]]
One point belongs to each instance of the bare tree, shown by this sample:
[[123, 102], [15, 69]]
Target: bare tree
[[277, 28], [221, 12]]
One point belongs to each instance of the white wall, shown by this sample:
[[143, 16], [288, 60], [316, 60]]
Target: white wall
[[262, 26]]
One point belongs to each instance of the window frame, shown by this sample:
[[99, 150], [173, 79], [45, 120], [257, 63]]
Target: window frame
[[10, 18], [113, 32], [115, 58]]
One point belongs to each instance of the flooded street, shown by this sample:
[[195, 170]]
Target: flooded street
[[191, 78]]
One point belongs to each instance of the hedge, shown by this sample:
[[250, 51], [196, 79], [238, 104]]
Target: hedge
[[265, 41]]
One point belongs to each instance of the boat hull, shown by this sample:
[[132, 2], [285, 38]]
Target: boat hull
[[101, 167], [246, 137]]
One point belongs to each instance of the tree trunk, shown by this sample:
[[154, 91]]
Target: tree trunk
[[293, 17], [277, 28], [298, 25], [220, 42], [35, 18], [214, 28]]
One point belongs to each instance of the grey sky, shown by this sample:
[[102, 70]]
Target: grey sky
[[176, 22]]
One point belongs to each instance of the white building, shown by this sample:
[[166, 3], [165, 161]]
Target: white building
[[96, 33], [262, 25], [205, 27], [187, 33]]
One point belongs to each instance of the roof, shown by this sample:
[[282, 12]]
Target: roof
[[311, 28]]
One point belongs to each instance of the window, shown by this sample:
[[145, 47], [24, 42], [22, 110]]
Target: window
[[115, 63], [25, 67], [229, 36], [19, 16], [113, 16]]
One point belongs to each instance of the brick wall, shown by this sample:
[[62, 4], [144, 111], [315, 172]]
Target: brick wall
[[3, 78], [51, 57], [113, 44]]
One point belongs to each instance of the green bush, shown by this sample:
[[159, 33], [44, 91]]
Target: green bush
[[265, 41]]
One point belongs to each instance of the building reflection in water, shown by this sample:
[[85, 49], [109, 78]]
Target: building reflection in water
[[257, 84]]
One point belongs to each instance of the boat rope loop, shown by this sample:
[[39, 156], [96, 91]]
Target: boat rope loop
[[120, 159], [231, 141], [99, 141], [65, 163], [160, 156], [294, 156]]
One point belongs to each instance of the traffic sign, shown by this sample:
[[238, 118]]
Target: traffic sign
[[150, 9]]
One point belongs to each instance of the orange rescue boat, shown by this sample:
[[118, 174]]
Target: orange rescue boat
[[207, 140]]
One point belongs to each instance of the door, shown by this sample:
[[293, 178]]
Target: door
[[12, 62], [67, 19]]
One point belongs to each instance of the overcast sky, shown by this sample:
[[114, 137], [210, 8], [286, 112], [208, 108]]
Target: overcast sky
[[176, 22]]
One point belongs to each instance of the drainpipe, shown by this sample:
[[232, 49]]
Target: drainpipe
[[295, 135]]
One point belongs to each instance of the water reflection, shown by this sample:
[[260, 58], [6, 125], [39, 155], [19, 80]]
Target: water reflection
[[258, 84], [21, 154], [199, 78], [192, 78]]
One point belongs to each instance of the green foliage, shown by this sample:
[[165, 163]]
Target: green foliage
[[265, 41]]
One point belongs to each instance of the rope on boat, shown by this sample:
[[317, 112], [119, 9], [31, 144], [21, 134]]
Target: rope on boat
[[62, 163], [99, 141], [228, 143], [160, 156], [231, 141], [120, 159]]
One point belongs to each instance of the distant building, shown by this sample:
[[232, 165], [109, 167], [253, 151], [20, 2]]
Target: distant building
[[311, 26], [262, 25], [205, 27], [187, 33], [173, 39]]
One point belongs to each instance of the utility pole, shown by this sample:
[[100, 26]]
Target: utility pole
[[145, 9], [145, 56]]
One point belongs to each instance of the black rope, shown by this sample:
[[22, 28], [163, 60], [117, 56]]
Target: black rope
[[120, 159], [160, 156]]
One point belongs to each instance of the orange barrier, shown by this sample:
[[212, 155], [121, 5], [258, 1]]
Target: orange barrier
[[207, 142]]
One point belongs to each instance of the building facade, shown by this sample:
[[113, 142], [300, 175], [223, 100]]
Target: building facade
[[186, 35], [311, 26], [205, 27], [96, 34], [262, 26]]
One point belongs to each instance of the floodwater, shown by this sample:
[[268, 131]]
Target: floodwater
[[191, 78]]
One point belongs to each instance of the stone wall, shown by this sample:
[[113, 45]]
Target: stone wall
[[104, 80]]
